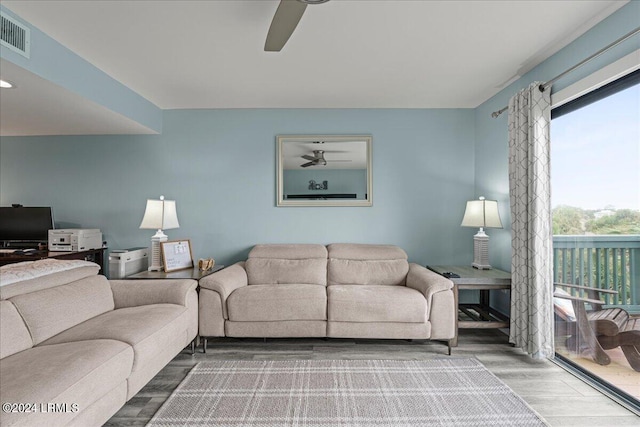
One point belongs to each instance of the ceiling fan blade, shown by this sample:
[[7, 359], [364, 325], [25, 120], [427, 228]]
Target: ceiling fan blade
[[307, 157], [283, 24], [306, 165]]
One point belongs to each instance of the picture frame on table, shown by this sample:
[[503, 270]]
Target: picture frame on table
[[177, 255]]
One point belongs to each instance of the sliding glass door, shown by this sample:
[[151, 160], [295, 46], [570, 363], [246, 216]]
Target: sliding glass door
[[595, 175]]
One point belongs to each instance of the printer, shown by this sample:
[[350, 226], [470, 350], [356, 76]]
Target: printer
[[75, 239]]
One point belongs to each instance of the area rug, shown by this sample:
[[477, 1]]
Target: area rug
[[349, 393]]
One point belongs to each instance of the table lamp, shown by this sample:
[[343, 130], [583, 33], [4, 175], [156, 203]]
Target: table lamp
[[159, 214], [481, 213]]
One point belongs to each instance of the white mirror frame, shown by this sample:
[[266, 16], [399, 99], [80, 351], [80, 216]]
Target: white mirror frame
[[283, 139]]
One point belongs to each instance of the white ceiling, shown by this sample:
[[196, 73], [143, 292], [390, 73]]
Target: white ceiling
[[38, 107], [344, 53]]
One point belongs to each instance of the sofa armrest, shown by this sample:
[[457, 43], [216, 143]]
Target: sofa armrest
[[225, 281], [427, 282], [132, 293]]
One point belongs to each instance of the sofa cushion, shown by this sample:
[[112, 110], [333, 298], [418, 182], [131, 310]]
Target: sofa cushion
[[289, 251], [14, 333], [275, 303], [70, 373], [361, 251], [99, 412], [51, 311], [287, 264], [147, 329], [360, 264], [32, 276], [375, 303]]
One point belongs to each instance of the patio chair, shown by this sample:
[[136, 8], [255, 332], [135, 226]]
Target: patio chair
[[596, 329]]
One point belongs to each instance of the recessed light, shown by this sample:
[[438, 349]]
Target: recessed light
[[4, 84]]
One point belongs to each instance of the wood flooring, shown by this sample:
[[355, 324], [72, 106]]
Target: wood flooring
[[559, 397], [618, 372]]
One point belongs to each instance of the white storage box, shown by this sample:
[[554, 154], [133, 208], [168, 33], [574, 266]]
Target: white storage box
[[125, 262]]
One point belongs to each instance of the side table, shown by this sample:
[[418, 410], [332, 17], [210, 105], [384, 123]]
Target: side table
[[188, 273], [481, 314]]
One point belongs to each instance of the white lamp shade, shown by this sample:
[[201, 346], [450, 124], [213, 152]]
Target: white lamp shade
[[482, 213], [160, 214]]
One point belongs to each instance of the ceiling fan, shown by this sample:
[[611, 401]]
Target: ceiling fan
[[317, 159], [285, 21]]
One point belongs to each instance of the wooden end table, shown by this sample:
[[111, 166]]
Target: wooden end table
[[188, 273], [485, 281]]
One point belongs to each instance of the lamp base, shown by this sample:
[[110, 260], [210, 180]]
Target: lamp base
[[156, 251], [481, 267], [481, 251]]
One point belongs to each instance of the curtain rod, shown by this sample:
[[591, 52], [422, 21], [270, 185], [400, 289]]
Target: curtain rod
[[548, 84]]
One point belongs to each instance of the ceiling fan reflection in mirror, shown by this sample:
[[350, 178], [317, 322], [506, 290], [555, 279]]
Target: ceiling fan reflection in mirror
[[285, 21], [318, 159]]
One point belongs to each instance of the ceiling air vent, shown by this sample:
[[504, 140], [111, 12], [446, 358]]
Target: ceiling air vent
[[15, 35]]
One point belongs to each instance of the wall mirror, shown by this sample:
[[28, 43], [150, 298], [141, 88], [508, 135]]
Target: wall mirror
[[324, 170]]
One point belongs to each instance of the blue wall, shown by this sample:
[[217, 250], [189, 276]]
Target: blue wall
[[491, 135], [220, 167]]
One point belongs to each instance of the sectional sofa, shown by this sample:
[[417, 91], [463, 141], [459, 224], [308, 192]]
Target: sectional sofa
[[74, 347], [339, 291]]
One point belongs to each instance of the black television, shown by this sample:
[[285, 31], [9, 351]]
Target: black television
[[23, 227]]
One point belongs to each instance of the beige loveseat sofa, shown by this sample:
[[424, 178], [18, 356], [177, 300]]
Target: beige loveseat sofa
[[74, 347], [340, 291]]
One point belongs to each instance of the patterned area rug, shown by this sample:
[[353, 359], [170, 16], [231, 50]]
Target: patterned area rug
[[439, 392]]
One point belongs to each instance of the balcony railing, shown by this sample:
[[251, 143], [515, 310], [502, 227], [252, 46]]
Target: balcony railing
[[603, 262]]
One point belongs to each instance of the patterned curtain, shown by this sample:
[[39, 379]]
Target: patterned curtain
[[531, 235]]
